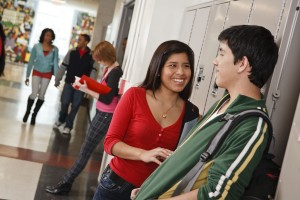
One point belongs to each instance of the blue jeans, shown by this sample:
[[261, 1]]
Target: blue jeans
[[110, 190], [69, 96]]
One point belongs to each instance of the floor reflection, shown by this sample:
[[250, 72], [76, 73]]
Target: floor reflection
[[32, 157]]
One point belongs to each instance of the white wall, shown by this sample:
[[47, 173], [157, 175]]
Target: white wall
[[116, 21]]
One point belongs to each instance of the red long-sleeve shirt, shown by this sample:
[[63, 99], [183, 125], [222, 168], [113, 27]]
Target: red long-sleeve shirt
[[134, 124]]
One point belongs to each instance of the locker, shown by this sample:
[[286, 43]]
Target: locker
[[202, 82], [265, 15], [288, 186], [193, 31], [284, 87], [238, 13], [187, 26], [198, 32]]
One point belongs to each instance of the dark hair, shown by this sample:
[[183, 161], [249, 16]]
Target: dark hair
[[2, 34], [86, 37], [44, 33], [258, 45], [105, 51], [2, 56], [152, 80]]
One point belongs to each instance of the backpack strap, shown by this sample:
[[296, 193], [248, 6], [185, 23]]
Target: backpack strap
[[213, 146]]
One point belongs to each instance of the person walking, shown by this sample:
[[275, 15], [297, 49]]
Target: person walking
[[77, 62], [43, 63], [105, 54]]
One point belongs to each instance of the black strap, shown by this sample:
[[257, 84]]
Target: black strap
[[213, 146]]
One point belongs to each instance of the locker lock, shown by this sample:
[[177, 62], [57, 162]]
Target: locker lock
[[276, 94], [200, 76], [214, 91]]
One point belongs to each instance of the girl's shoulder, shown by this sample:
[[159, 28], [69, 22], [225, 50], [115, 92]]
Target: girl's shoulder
[[116, 72], [54, 48], [37, 45], [135, 91], [192, 108]]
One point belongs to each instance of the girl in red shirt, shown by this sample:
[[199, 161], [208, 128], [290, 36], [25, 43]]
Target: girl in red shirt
[[147, 123]]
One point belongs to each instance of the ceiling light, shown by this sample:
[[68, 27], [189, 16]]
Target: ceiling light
[[59, 1]]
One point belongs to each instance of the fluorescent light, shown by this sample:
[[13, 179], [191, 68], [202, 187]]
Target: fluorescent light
[[59, 1]]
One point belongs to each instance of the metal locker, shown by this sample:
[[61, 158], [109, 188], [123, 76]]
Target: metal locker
[[193, 31], [198, 32], [289, 181], [284, 87], [187, 26], [267, 13], [210, 45], [238, 13]]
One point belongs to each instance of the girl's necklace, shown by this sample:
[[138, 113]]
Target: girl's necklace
[[165, 114]]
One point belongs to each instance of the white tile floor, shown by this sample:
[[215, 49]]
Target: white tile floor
[[12, 177], [37, 156]]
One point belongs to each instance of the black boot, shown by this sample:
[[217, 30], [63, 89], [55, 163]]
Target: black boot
[[29, 105], [38, 105], [61, 188]]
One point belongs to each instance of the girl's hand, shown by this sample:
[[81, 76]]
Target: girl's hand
[[82, 87], [157, 155], [134, 193], [27, 81]]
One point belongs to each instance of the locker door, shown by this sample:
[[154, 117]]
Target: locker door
[[267, 13], [288, 185], [238, 13], [187, 26], [284, 87], [198, 32], [215, 25]]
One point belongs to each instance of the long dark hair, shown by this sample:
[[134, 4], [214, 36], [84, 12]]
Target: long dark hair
[[43, 34], [161, 55], [2, 56], [2, 34]]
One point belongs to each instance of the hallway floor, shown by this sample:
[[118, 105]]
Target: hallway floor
[[32, 157]]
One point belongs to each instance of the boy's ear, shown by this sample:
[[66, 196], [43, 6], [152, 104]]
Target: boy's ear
[[243, 64]]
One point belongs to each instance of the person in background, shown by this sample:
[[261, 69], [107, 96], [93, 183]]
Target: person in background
[[77, 62], [105, 54], [124, 43], [43, 63], [2, 50], [246, 59], [148, 122]]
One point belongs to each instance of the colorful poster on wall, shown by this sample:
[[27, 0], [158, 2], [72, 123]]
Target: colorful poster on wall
[[84, 24], [17, 18]]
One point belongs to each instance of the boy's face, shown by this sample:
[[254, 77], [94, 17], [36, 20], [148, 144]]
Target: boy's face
[[226, 70], [82, 43]]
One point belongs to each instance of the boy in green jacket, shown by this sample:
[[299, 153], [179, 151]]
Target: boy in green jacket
[[246, 59]]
